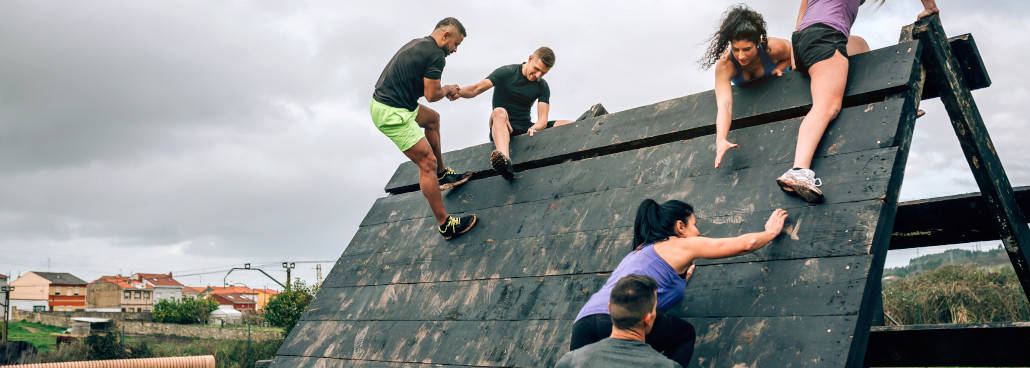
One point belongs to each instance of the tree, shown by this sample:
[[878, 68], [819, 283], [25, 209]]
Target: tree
[[184, 311], [284, 309]]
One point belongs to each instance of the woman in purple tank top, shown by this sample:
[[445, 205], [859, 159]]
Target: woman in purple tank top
[[666, 243], [822, 43]]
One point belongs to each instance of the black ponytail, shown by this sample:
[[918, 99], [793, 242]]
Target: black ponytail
[[739, 23], [657, 222]]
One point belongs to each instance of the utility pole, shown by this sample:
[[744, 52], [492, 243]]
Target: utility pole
[[6, 289], [288, 266], [318, 273]]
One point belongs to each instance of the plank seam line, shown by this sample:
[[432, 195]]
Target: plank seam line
[[689, 133]]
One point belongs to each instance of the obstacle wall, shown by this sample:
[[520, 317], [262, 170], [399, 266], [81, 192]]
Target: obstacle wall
[[506, 293]]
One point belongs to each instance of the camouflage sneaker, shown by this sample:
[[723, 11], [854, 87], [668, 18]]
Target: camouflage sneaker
[[502, 164], [449, 179], [456, 226], [803, 183]]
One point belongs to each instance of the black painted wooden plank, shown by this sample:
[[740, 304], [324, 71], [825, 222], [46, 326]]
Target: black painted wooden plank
[[873, 75], [536, 343], [284, 361], [759, 146], [775, 288], [1000, 344], [956, 219], [556, 297], [803, 341], [971, 65], [977, 145]]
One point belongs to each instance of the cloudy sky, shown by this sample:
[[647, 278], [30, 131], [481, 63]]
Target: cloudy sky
[[190, 136]]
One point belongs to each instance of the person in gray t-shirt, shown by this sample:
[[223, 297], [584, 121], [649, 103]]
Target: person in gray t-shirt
[[632, 308]]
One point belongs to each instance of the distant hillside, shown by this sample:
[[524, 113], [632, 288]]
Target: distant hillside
[[992, 258]]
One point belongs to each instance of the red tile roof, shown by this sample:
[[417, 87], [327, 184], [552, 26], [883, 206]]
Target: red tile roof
[[123, 282], [193, 289], [158, 279], [231, 289], [231, 299]]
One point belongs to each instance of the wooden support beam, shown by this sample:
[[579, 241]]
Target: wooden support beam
[[999, 344], [956, 219], [971, 65], [942, 70]]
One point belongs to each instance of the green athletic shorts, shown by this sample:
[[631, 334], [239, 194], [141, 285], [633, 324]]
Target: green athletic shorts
[[398, 124]]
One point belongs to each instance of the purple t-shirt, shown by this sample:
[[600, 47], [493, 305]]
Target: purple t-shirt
[[644, 261], [838, 14]]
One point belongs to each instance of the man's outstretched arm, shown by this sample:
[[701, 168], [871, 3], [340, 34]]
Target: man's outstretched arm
[[475, 89], [434, 91]]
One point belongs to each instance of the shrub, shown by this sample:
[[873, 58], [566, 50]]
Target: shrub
[[284, 309], [184, 311], [956, 294]]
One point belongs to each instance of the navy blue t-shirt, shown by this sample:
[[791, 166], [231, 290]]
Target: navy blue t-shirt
[[516, 94], [401, 83]]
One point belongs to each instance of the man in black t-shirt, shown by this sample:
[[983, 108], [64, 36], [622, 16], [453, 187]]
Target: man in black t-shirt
[[414, 72], [517, 86]]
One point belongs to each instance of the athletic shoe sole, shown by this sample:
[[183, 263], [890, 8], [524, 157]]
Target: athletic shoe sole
[[473, 224], [463, 180], [809, 194], [501, 164]]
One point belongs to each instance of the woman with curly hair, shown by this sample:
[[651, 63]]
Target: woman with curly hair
[[821, 44], [742, 53]]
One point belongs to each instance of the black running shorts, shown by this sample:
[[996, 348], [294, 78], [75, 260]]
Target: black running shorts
[[816, 43], [516, 131]]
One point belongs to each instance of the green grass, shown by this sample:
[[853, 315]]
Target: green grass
[[37, 334]]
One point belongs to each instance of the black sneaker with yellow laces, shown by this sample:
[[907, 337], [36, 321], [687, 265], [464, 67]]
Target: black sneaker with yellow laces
[[449, 178], [455, 226]]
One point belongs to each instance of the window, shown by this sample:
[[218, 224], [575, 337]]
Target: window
[[123, 309], [146, 295], [139, 310], [136, 294], [57, 291], [76, 290], [128, 294]]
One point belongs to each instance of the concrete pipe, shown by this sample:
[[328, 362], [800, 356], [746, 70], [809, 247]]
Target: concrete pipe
[[204, 361]]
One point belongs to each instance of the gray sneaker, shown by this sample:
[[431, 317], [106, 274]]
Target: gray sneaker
[[803, 183]]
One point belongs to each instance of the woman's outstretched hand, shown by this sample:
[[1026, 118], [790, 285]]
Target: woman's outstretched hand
[[774, 225]]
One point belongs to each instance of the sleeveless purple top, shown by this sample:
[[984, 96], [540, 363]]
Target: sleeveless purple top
[[644, 261], [838, 14]]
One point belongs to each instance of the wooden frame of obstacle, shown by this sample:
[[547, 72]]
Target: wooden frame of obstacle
[[506, 293]]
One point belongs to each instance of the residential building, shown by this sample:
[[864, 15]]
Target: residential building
[[119, 294], [4, 296], [53, 291], [194, 292], [243, 291], [165, 287], [263, 296], [237, 301]]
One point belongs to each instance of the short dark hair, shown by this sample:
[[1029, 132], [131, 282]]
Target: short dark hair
[[632, 298], [546, 56], [451, 21]]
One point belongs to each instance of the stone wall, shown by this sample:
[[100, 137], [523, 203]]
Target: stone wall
[[139, 324]]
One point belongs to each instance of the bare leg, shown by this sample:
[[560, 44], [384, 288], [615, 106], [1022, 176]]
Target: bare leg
[[856, 45], [429, 120], [563, 122], [422, 155], [828, 80], [500, 127]]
